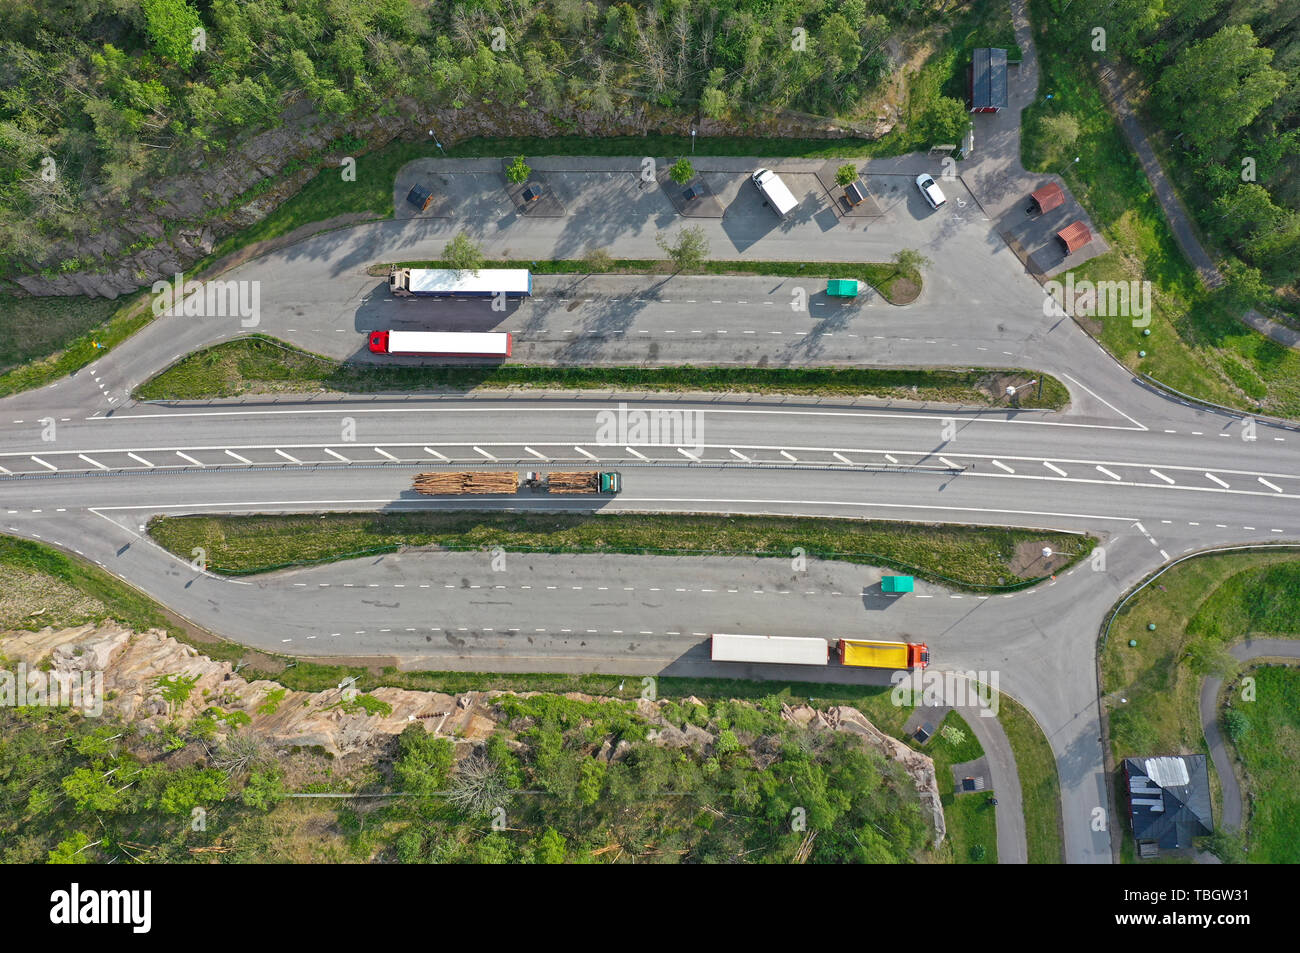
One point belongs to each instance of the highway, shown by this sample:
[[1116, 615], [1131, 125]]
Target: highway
[[84, 467]]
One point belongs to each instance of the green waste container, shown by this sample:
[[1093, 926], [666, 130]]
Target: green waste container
[[896, 584]]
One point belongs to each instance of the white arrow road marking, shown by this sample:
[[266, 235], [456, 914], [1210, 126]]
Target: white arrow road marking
[[1211, 476], [1158, 475], [1054, 468], [1113, 476], [140, 460], [95, 463], [1003, 466], [1272, 486], [197, 463], [238, 457], [48, 466], [336, 456], [289, 457]]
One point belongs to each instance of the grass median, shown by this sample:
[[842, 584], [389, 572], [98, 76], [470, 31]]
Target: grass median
[[965, 556], [262, 365], [1040, 785]]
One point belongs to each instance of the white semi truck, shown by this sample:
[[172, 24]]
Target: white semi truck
[[780, 198]]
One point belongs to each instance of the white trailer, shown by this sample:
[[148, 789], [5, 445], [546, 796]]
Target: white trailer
[[773, 189], [779, 649]]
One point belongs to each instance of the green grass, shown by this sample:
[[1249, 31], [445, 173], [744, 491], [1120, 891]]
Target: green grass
[[260, 364], [48, 338], [1197, 344], [1269, 750], [970, 818], [1040, 785], [1206, 598], [964, 556]]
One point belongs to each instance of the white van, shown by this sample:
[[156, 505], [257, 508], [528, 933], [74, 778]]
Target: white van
[[774, 191]]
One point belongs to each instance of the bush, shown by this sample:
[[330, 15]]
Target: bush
[[978, 852], [518, 171], [1236, 724], [846, 173], [682, 171]]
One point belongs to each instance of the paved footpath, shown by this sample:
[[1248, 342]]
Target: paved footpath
[[1013, 845]]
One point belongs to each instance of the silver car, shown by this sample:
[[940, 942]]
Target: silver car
[[930, 191]]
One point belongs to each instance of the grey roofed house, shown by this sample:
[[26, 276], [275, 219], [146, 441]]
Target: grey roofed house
[[988, 80], [1169, 800]]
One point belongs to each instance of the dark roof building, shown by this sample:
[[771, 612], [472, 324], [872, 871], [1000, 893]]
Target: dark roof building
[[1169, 801], [988, 80]]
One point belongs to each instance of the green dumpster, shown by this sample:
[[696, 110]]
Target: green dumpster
[[841, 288], [896, 584]]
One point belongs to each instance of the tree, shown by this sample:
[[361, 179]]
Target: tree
[[1247, 210], [681, 171], [518, 171], [550, 847], [191, 787], [479, 786], [944, 121], [1217, 86], [170, 25], [909, 261], [953, 735], [597, 260], [846, 173], [689, 250], [264, 790], [423, 762], [713, 103], [462, 253]]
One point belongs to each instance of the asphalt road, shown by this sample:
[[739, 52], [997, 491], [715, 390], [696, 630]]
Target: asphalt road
[[85, 468]]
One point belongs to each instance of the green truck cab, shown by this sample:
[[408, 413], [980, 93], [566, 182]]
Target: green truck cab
[[841, 288], [610, 482]]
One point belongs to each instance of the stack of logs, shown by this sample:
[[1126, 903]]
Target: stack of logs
[[473, 481], [586, 481]]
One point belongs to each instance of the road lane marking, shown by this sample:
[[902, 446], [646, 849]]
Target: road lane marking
[[238, 457], [539, 456], [586, 453], [1054, 468], [790, 456], [185, 456], [741, 456], [1272, 486], [484, 452], [842, 458], [948, 463], [95, 463], [140, 460], [1113, 476], [1157, 474], [336, 455], [48, 466], [289, 457], [1003, 466], [686, 453], [434, 453], [385, 453], [1211, 476], [639, 456]]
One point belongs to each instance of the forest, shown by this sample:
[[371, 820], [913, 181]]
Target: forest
[[100, 97], [563, 780], [1223, 78]]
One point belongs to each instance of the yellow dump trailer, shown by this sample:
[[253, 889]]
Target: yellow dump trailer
[[895, 655]]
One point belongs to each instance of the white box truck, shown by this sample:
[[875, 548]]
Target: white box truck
[[773, 189]]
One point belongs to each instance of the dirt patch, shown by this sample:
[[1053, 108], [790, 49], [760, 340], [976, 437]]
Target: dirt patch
[[1030, 563], [903, 291]]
